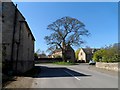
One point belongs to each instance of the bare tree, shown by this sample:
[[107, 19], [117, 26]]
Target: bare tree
[[38, 51], [66, 31]]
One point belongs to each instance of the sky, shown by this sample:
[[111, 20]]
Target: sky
[[100, 18]]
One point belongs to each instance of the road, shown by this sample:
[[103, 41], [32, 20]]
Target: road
[[75, 76]]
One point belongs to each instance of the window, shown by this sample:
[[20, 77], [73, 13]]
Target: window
[[3, 18], [81, 53]]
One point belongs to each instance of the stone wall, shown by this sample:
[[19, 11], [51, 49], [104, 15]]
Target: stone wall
[[22, 54], [108, 66]]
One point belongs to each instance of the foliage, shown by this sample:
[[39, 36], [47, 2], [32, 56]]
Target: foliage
[[99, 54], [107, 54], [35, 56], [76, 53], [66, 31], [38, 51], [65, 63]]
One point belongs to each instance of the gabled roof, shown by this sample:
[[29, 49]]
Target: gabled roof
[[42, 54], [24, 20], [89, 50], [57, 50]]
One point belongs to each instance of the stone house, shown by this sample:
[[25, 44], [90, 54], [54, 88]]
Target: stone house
[[86, 54], [57, 52], [17, 39], [70, 54], [42, 56], [50, 56]]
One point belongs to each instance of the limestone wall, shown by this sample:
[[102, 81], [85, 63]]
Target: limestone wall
[[23, 45], [108, 66]]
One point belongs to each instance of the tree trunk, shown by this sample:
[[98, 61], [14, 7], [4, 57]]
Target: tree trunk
[[64, 56], [64, 51]]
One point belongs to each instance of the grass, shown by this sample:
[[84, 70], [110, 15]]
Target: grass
[[65, 63]]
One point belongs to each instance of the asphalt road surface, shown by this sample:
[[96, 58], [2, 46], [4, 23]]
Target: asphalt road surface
[[75, 76]]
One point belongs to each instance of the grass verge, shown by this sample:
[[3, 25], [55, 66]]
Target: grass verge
[[65, 63]]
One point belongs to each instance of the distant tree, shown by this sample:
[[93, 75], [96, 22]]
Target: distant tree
[[50, 49], [107, 54], [43, 52], [66, 31], [38, 51], [35, 56], [98, 55], [88, 47]]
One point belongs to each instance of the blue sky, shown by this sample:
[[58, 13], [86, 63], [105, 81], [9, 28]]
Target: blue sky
[[101, 19]]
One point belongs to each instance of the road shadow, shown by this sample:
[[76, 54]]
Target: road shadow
[[49, 72]]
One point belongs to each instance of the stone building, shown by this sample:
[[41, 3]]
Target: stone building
[[86, 54], [43, 55], [57, 53], [70, 54], [17, 39]]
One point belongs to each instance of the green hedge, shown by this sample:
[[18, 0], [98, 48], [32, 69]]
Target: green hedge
[[107, 54]]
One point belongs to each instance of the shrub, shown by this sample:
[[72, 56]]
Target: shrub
[[98, 55], [107, 54], [35, 56]]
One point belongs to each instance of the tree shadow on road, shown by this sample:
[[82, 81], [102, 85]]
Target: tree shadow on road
[[49, 72]]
